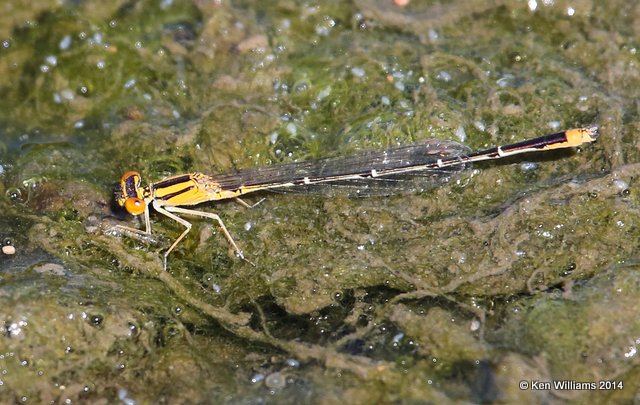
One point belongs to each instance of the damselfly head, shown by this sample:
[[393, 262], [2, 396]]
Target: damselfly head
[[130, 196], [134, 206]]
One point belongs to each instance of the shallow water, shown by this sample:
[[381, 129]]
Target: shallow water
[[522, 270]]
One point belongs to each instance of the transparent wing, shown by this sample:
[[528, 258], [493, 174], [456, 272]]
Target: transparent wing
[[403, 169]]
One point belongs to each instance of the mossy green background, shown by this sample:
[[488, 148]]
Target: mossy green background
[[455, 294]]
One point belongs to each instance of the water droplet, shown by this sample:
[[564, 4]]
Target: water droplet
[[275, 380], [16, 195], [358, 72], [461, 134], [257, 378], [129, 83], [528, 166], [96, 320], [620, 184], [293, 363], [554, 125], [443, 76], [65, 43]]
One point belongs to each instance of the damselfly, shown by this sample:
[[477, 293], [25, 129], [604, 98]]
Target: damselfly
[[434, 157]]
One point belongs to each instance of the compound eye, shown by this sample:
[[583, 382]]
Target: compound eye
[[134, 206], [130, 174]]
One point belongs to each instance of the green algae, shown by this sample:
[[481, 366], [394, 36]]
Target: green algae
[[425, 297]]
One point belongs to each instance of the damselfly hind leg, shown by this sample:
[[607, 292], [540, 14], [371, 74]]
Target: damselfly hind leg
[[170, 211], [246, 204]]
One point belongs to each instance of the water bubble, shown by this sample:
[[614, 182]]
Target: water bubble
[[97, 38], [324, 28], [14, 329], [16, 195], [67, 94], [257, 378], [528, 166], [443, 76], [621, 184], [475, 325], [291, 129], [554, 125], [293, 363], [275, 380], [301, 87], [133, 329], [324, 93], [129, 83], [96, 320], [358, 72], [123, 395], [65, 43], [480, 126], [461, 134]]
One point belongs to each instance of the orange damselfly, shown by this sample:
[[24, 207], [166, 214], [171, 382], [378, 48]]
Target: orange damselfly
[[436, 157]]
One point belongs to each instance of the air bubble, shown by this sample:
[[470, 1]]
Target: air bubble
[[275, 380]]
